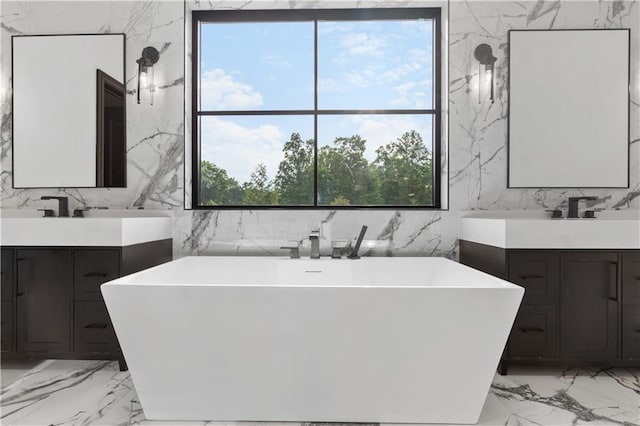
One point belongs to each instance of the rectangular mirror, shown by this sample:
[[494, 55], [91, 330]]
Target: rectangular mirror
[[569, 108], [69, 111]]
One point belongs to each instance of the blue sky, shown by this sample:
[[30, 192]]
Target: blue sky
[[269, 66]]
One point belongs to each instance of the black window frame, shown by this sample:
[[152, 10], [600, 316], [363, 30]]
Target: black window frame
[[315, 15]]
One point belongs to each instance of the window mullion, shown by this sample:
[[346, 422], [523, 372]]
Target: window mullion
[[315, 112]]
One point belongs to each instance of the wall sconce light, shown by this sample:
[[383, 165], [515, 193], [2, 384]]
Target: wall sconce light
[[150, 56], [484, 56]]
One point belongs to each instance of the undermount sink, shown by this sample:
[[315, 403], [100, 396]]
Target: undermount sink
[[526, 230], [108, 228]]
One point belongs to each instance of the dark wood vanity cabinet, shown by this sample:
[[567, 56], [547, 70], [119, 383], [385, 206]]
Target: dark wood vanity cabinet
[[52, 306], [579, 306]]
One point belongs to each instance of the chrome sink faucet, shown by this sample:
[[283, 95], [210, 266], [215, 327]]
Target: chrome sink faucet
[[573, 206], [63, 204], [314, 237]]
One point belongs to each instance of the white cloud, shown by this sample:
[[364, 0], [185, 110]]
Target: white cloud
[[222, 91], [363, 44], [238, 149], [326, 85], [275, 60], [412, 94], [414, 62], [360, 78]]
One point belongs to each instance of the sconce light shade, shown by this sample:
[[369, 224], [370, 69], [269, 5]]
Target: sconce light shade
[[147, 60], [484, 55]]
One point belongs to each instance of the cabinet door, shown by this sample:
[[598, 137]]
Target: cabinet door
[[7, 322], [631, 278], [6, 326], [44, 295], [588, 305], [6, 274], [538, 272]]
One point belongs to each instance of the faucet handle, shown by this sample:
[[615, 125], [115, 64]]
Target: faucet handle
[[79, 212], [47, 212], [294, 250], [555, 213], [338, 248]]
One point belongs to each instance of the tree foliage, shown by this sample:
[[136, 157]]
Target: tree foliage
[[401, 174], [294, 180], [259, 191], [405, 171], [216, 187], [344, 175]]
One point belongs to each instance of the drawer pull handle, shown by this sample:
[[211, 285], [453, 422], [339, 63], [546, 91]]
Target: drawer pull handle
[[94, 325], [530, 277], [532, 330], [20, 293], [96, 274]]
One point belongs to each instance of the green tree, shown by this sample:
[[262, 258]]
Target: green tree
[[344, 175], [216, 187], [405, 171], [258, 191], [294, 179]]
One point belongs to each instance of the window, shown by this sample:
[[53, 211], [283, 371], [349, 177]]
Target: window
[[322, 108]]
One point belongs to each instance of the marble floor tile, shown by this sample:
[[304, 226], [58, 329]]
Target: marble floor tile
[[67, 392], [575, 396], [12, 370]]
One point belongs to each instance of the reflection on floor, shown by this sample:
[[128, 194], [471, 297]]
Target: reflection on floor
[[64, 392]]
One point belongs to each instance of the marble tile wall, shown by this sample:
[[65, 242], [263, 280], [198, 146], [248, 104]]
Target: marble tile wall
[[155, 134], [477, 135]]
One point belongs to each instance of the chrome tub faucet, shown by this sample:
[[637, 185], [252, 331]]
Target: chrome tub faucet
[[314, 237]]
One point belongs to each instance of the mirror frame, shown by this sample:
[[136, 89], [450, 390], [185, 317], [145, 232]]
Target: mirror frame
[[97, 142]]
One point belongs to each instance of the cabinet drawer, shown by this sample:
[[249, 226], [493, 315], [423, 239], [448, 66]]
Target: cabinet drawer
[[538, 272], [6, 326], [631, 278], [534, 333], [93, 329], [7, 274], [631, 332], [91, 269]]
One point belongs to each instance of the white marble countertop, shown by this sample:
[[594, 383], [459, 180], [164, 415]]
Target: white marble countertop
[[100, 228], [535, 230]]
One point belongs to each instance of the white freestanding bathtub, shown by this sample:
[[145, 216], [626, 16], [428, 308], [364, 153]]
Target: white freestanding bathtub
[[394, 340]]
